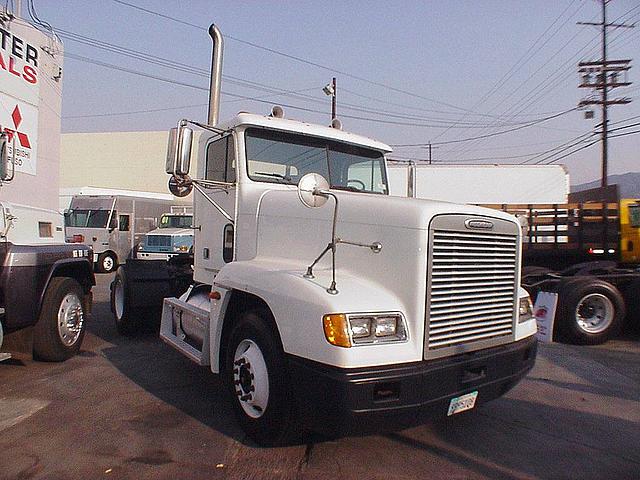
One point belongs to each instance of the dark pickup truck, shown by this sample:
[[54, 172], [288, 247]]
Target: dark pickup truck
[[47, 287]]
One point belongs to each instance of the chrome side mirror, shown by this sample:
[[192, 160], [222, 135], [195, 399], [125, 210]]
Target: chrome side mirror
[[179, 151], [311, 188], [6, 164]]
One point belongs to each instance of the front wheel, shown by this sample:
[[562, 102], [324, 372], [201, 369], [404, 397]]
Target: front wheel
[[61, 325], [107, 262], [255, 373], [590, 311]]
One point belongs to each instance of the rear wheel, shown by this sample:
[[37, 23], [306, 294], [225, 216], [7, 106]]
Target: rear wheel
[[61, 325], [590, 311], [128, 320], [255, 373], [107, 262]]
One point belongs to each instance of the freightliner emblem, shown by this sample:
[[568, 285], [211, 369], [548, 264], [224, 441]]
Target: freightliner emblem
[[479, 224]]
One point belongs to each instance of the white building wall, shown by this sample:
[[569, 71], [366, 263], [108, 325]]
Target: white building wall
[[120, 160]]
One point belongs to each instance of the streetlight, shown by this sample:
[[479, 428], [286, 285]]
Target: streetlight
[[330, 89]]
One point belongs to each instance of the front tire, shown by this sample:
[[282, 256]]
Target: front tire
[[61, 325], [590, 311], [107, 262], [255, 374]]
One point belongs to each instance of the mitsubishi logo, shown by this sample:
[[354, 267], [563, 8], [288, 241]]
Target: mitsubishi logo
[[23, 138]]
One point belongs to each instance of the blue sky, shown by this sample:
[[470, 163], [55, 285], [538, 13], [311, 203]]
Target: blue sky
[[412, 72]]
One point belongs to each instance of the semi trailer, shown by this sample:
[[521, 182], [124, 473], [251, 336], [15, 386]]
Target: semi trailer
[[588, 253], [45, 285], [323, 302]]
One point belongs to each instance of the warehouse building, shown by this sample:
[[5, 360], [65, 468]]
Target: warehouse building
[[116, 160]]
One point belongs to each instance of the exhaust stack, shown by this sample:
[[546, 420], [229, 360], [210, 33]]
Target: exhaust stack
[[216, 75]]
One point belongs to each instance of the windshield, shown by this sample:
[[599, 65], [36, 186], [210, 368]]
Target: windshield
[[175, 221], [279, 157], [86, 218]]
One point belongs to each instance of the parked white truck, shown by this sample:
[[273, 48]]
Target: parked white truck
[[113, 223], [174, 236], [322, 301], [45, 285]]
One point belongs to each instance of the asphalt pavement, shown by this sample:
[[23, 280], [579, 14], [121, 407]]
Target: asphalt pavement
[[132, 408]]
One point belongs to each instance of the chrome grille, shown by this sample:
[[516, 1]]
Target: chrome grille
[[159, 240], [472, 290]]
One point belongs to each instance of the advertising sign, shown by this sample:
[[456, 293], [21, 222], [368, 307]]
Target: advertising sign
[[19, 99], [20, 121], [545, 312]]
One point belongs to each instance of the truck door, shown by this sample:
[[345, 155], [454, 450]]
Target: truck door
[[630, 230], [214, 234]]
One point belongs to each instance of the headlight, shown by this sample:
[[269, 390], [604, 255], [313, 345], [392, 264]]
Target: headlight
[[140, 246], [181, 248], [525, 310], [356, 329]]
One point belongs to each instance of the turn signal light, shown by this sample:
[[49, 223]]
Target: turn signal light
[[336, 329], [77, 239]]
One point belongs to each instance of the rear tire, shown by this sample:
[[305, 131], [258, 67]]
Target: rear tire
[[255, 374], [128, 320], [590, 311], [61, 325], [107, 262]]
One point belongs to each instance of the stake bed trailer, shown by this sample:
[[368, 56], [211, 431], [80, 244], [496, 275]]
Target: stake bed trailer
[[588, 253], [410, 308]]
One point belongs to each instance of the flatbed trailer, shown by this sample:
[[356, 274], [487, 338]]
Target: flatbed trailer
[[589, 254]]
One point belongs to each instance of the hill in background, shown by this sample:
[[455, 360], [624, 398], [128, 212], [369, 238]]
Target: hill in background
[[628, 183]]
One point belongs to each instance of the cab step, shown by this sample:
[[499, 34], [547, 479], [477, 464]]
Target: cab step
[[175, 313]]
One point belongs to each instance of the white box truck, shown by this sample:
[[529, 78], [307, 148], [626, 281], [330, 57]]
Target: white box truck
[[323, 302], [45, 285], [114, 223]]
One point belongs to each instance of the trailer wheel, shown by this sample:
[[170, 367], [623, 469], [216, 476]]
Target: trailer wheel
[[255, 373], [590, 311], [107, 262], [61, 324], [128, 320]]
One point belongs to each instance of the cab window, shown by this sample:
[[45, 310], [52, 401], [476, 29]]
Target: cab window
[[221, 160]]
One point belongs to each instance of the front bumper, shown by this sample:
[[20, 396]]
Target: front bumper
[[335, 400], [154, 255]]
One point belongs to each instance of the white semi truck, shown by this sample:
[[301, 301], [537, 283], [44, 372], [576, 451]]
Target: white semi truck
[[323, 302], [45, 285]]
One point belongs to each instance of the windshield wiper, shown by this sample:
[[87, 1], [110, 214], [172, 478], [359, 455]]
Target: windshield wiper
[[348, 188], [274, 175]]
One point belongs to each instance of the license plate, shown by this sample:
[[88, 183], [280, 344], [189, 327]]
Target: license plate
[[462, 403]]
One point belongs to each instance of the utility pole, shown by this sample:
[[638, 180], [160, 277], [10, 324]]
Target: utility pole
[[603, 75], [333, 99]]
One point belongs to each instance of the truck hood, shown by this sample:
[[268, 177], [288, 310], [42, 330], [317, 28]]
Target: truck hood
[[368, 209], [171, 231]]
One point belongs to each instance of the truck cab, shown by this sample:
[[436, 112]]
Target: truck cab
[[174, 236], [323, 302]]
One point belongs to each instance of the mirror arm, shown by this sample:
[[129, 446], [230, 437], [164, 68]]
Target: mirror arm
[[331, 246], [211, 201]]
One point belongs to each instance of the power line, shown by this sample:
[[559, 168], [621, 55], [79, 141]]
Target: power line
[[296, 58], [530, 124]]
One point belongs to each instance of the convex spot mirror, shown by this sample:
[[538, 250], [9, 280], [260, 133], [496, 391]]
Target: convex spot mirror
[[179, 151], [310, 190], [6, 164]]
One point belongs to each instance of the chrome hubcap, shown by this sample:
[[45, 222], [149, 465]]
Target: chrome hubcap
[[594, 313], [107, 263], [70, 319], [251, 378]]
